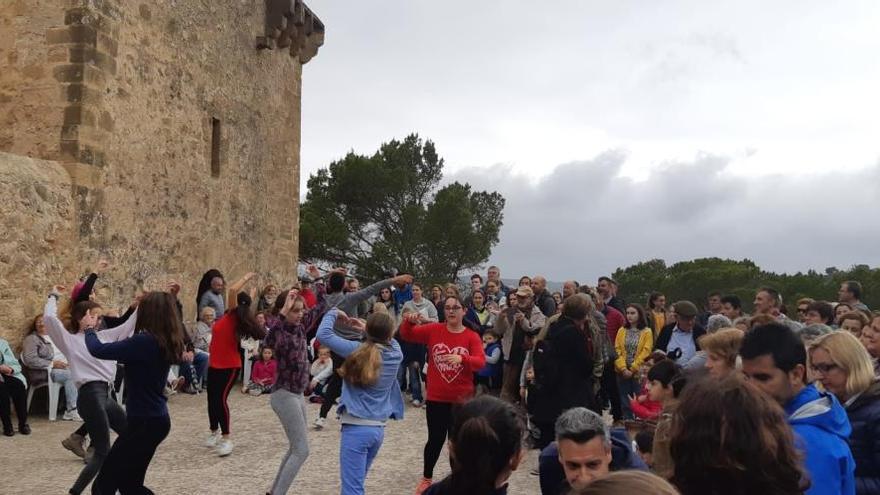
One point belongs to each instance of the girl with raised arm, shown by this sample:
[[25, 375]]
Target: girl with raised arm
[[93, 377], [224, 362]]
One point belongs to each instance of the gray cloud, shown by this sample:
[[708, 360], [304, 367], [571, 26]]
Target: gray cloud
[[583, 219]]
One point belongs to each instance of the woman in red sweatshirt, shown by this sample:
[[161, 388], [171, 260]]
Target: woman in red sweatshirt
[[455, 353]]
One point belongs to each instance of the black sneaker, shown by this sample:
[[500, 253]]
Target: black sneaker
[[8, 431], [24, 429]]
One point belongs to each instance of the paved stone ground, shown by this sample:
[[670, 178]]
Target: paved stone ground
[[38, 464]]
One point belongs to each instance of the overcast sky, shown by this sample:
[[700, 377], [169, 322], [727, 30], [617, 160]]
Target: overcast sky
[[623, 131]]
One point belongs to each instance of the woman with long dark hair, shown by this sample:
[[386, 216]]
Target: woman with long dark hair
[[730, 438], [224, 363], [633, 346], [455, 353], [147, 355], [485, 447]]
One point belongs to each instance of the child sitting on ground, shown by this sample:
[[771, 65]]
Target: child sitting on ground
[[641, 405], [321, 370], [263, 374], [488, 378]]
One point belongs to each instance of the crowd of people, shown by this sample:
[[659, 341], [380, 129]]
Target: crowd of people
[[614, 396]]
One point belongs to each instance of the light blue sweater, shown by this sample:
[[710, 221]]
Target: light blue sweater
[[379, 401]]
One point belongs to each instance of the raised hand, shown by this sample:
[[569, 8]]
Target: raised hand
[[173, 288], [289, 301], [358, 324], [88, 321], [313, 272], [58, 289], [402, 280]]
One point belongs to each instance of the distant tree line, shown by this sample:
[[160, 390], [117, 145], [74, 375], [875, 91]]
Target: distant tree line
[[693, 280]]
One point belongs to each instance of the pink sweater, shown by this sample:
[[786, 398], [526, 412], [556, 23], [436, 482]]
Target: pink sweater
[[263, 372]]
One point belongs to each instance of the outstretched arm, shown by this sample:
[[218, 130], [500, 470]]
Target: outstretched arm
[[235, 288], [123, 350], [327, 337]]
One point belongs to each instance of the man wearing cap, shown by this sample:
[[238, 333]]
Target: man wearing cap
[[679, 340], [517, 325]]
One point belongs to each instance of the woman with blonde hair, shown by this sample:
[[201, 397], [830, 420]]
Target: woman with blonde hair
[[843, 367], [721, 348], [627, 483], [370, 391]]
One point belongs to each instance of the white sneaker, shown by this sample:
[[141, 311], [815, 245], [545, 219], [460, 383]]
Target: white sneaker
[[319, 423], [71, 415], [224, 447], [417, 403], [212, 439]]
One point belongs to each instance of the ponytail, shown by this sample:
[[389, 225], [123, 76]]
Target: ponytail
[[485, 436], [247, 325], [361, 368]]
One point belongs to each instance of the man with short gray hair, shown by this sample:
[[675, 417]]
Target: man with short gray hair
[[584, 450]]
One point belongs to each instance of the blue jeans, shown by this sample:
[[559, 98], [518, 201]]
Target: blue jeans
[[70, 391], [196, 371], [357, 449], [412, 370]]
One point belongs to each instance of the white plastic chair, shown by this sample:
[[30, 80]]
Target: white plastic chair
[[54, 394], [248, 364]]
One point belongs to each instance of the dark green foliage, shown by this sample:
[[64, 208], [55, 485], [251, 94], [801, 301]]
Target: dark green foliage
[[386, 211], [694, 279]]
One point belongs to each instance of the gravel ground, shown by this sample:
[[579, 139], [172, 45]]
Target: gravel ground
[[38, 464]]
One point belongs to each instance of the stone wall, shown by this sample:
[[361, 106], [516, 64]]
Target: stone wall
[[136, 101], [38, 238]]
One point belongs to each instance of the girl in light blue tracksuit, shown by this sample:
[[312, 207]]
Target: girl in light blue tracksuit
[[370, 391]]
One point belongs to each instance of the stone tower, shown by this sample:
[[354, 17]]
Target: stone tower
[[163, 136]]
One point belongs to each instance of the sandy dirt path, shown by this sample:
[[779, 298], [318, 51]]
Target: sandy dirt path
[[37, 464]]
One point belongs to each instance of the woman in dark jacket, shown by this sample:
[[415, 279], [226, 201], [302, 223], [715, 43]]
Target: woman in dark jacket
[[844, 368], [563, 368]]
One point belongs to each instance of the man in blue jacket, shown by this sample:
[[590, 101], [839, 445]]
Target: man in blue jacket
[[775, 360]]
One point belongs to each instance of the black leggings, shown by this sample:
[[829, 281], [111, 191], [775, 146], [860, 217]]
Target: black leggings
[[11, 387], [126, 465], [220, 382], [439, 415], [333, 389], [100, 413]]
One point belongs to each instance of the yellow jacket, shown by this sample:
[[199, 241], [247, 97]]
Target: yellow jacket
[[643, 351]]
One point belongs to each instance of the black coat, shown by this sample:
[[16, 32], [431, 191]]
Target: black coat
[[617, 303], [666, 334], [569, 382], [864, 416], [545, 302]]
